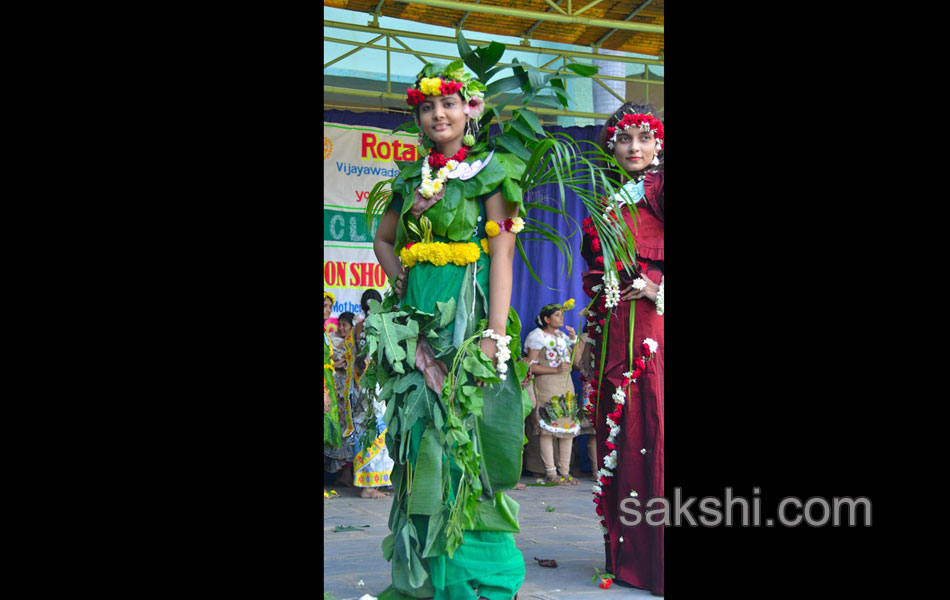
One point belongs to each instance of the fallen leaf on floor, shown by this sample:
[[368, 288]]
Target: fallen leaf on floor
[[549, 509], [546, 562], [348, 528]]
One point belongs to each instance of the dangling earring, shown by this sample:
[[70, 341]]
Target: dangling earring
[[656, 158], [469, 138]]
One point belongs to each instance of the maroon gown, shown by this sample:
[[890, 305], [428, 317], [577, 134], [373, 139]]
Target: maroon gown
[[638, 559]]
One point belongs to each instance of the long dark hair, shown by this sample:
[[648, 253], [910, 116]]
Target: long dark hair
[[628, 107], [368, 295]]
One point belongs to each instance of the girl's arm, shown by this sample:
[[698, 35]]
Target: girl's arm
[[502, 251]]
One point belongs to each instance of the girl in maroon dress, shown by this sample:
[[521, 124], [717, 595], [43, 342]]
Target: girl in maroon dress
[[627, 390]]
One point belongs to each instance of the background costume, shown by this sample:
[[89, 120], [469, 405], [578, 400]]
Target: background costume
[[557, 404], [371, 464]]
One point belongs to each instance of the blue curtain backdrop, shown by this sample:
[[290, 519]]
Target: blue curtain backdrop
[[528, 296]]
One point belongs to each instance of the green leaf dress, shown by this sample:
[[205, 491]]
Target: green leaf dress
[[454, 451]]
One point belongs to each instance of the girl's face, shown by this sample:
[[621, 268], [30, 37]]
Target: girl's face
[[556, 320], [327, 308], [443, 121], [634, 149], [344, 329]]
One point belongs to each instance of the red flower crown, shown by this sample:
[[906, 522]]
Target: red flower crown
[[643, 122]]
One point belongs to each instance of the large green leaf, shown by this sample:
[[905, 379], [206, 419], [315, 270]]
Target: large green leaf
[[426, 495], [512, 144], [446, 311], [522, 127], [503, 85], [499, 514], [490, 55], [416, 401], [531, 119], [464, 49], [435, 539], [583, 70], [546, 100]]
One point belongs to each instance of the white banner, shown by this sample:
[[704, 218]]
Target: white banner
[[355, 158]]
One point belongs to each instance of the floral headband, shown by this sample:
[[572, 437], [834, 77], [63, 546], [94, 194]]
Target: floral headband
[[436, 80], [639, 121], [330, 296], [567, 305]]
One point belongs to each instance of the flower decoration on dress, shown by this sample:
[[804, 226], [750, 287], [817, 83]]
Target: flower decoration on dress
[[514, 225], [440, 253], [640, 122], [659, 299], [648, 349], [465, 171], [431, 187]]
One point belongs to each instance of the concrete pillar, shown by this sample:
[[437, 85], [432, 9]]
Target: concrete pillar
[[604, 102]]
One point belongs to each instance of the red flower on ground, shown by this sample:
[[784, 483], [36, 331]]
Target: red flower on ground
[[595, 245], [599, 261]]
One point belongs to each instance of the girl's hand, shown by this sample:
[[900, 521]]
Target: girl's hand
[[571, 331], [490, 348], [649, 291], [399, 286]]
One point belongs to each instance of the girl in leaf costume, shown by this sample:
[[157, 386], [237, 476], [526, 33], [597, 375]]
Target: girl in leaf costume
[[442, 344], [550, 359]]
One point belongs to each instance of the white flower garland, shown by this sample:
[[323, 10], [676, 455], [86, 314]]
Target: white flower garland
[[503, 354], [610, 460], [431, 187], [659, 300], [611, 289]]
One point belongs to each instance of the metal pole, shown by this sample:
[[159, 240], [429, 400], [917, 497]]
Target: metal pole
[[632, 15], [538, 110], [473, 43], [591, 5], [351, 52], [528, 14], [419, 54]]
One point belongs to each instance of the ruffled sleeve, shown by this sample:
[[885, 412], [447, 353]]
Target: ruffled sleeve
[[535, 340]]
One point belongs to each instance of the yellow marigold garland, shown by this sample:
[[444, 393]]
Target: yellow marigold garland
[[431, 86], [484, 243], [492, 229], [440, 253]]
